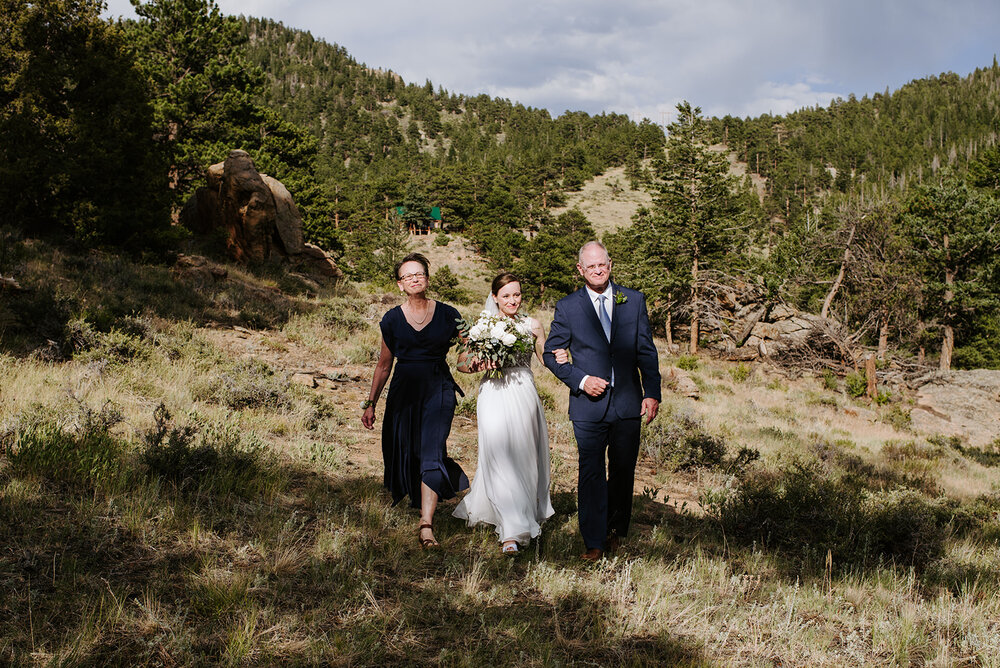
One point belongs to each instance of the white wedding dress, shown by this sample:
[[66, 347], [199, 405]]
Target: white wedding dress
[[511, 486]]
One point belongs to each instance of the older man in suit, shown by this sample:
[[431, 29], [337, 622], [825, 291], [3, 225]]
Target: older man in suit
[[613, 376]]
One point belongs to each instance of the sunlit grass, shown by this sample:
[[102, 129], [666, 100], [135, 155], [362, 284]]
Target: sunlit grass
[[286, 549]]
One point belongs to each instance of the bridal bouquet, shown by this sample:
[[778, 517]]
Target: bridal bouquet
[[496, 338]]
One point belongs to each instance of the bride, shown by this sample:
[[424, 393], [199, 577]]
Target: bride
[[511, 487]]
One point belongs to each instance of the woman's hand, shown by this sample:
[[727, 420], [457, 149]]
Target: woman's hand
[[368, 417], [561, 355], [481, 365]]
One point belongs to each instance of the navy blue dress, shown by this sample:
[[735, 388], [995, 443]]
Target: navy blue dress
[[419, 407]]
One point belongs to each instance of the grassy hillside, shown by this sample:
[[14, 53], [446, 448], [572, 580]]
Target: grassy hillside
[[188, 482]]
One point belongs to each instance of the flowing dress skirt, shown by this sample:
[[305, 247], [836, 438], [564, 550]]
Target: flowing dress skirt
[[418, 415], [511, 486]]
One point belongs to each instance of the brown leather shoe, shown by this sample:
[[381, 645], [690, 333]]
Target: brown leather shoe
[[593, 554]]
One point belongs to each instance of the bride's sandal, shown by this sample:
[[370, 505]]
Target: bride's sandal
[[509, 547], [427, 543]]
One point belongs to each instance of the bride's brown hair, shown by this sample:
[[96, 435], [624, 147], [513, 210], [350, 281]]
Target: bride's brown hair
[[502, 280]]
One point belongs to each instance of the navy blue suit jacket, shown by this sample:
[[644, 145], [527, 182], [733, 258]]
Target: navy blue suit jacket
[[630, 353]]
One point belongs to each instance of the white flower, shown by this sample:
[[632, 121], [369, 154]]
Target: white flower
[[476, 332], [524, 327], [508, 339], [498, 331]]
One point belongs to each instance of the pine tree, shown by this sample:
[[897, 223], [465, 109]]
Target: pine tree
[[697, 213], [954, 233], [76, 150]]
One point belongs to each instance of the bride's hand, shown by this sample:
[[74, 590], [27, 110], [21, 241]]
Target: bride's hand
[[477, 365], [561, 355]]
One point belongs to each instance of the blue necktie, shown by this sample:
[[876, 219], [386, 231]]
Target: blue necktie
[[604, 317]]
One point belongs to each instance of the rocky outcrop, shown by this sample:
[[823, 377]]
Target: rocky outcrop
[[681, 383], [959, 403], [742, 325], [258, 215], [248, 209], [287, 219]]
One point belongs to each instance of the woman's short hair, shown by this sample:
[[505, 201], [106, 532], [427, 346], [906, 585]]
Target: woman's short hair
[[502, 280], [412, 257]]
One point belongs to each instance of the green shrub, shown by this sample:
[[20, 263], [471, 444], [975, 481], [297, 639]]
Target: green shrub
[[856, 384], [829, 380], [445, 285], [687, 362], [344, 315], [897, 417], [988, 457], [777, 384], [249, 384], [681, 443], [320, 411], [883, 396], [442, 239], [954, 442], [547, 398], [467, 406], [193, 459], [741, 372]]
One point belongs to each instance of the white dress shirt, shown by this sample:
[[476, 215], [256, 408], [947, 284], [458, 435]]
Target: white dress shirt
[[595, 299]]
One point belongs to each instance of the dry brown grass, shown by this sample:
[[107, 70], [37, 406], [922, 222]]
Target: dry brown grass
[[315, 566], [607, 201]]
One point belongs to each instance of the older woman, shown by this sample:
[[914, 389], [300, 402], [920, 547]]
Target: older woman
[[421, 401]]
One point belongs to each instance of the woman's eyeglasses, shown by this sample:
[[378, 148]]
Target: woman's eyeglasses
[[417, 275]]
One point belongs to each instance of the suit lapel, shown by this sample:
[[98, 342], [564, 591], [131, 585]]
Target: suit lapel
[[590, 314], [614, 311]]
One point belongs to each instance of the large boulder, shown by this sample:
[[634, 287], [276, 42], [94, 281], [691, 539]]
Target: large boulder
[[257, 213], [315, 260], [959, 403], [248, 209], [287, 218], [202, 213]]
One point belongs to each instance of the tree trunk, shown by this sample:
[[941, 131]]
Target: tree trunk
[[871, 378], [669, 327], [947, 346], [948, 342], [883, 336], [840, 275], [693, 347]]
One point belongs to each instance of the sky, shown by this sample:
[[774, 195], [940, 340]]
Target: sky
[[642, 57]]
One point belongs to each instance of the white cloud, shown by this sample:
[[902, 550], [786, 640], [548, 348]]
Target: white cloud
[[642, 56], [781, 98]]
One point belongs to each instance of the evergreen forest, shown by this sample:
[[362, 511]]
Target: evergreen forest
[[880, 212]]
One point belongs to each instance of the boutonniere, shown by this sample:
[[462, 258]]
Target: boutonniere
[[620, 297]]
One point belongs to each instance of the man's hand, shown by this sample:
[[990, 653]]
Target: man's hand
[[561, 355], [650, 407], [595, 386]]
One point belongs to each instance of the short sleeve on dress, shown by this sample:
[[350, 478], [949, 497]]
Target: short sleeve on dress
[[388, 333], [453, 315]]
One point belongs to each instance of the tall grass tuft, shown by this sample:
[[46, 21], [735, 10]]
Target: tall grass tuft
[[91, 458], [806, 511], [192, 459]]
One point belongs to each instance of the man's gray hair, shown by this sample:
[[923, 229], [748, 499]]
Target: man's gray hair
[[591, 244]]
